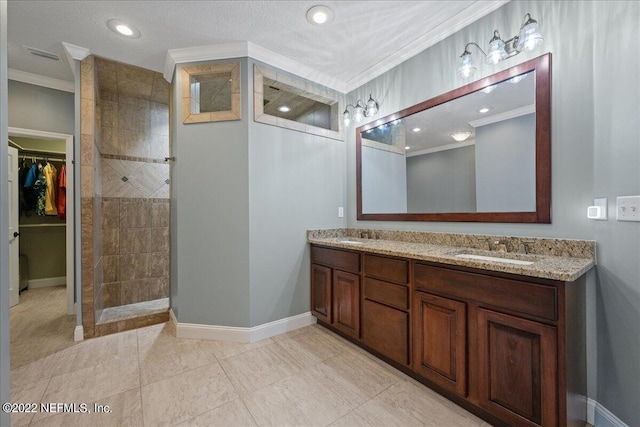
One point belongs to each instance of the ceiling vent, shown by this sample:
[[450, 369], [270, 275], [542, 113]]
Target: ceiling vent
[[41, 53]]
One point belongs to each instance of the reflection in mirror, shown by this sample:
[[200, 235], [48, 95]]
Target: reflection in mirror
[[211, 93], [470, 157], [283, 100]]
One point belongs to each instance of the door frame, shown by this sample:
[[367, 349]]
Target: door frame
[[70, 191]]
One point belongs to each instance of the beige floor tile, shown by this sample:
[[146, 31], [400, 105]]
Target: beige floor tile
[[181, 397], [312, 347], [125, 410], [223, 349], [368, 377], [290, 334], [428, 408], [163, 356], [92, 383], [40, 369], [28, 394], [232, 414], [252, 370], [302, 400]]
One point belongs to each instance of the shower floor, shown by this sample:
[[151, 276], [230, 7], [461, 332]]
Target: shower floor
[[130, 311]]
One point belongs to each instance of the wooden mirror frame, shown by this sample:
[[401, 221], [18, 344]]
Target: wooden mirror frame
[[211, 69], [542, 214]]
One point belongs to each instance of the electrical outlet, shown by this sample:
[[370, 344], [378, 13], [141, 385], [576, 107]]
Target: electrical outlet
[[340, 212], [628, 208]]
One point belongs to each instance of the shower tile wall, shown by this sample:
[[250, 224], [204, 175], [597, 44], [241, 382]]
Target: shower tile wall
[[134, 130]]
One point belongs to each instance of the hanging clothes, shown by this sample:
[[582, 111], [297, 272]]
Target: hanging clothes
[[62, 193], [30, 195], [51, 175], [40, 188], [22, 174]]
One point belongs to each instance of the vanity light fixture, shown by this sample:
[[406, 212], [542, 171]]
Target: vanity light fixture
[[319, 15], [528, 39], [460, 136], [489, 89], [123, 29], [284, 109], [360, 110], [517, 79]]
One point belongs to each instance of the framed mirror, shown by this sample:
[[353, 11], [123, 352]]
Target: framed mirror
[[479, 153], [211, 93]]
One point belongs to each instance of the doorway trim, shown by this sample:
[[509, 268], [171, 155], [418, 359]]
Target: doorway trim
[[70, 229]]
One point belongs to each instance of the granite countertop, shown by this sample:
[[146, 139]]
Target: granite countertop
[[557, 259]]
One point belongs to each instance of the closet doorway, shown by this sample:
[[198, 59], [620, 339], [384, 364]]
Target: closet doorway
[[42, 147]]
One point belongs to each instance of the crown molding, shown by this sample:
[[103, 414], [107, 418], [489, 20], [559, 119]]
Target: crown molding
[[38, 80], [74, 53], [511, 114], [469, 15], [247, 49]]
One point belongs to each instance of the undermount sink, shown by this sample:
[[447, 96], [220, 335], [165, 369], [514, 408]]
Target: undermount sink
[[350, 242], [494, 259]]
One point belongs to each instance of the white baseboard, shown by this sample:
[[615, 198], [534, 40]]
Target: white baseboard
[[241, 334], [78, 333], [46, 282], [599, 416]]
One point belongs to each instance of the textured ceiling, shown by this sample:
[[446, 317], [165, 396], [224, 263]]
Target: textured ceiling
[[362, 34]]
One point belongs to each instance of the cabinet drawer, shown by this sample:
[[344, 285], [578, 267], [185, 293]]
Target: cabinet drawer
[[391, 269], [524, 297], [386, 293], [386, 330], [342, 260]]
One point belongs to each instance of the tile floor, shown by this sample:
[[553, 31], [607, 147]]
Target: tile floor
[[148, 377], [130, 311]]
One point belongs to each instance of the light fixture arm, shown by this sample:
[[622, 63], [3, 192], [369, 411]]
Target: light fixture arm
[[466, 49]]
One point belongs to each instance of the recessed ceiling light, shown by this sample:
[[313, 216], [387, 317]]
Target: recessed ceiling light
[[416, 129], [124, 29], [484, 110], [407, 148], [284, 109], [319, 15]]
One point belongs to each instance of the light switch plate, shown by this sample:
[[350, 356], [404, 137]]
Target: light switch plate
[[628, 208]]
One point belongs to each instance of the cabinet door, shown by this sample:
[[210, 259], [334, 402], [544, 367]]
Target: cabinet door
[[346, 302], [517, 369], [321, 292], [439, 350], [386, 330]]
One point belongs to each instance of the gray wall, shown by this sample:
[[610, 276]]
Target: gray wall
[[444, 181], [40, 108], [505, 165], [296, 182], [595, 153], [211, 174], [248, 192], [5, 376], [384, 181]]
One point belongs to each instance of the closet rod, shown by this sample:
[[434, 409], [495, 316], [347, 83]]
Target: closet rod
[[42, 225], [52, 158]]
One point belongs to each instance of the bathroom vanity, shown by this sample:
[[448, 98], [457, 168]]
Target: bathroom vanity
[[504, 339]]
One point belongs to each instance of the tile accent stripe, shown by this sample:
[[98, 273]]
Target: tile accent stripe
[[132, 158]]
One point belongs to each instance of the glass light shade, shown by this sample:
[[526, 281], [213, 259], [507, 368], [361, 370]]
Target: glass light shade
[[496, 52], [466, 67], [346, 118], [460, 136], [530, 36], [372, 107], [358, 113], [489, 89]]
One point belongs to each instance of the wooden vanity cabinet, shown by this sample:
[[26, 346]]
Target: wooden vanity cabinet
[[523, 338], [385, 307], [335, 288]]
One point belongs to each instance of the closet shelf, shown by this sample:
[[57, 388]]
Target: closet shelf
[[62, 224]]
